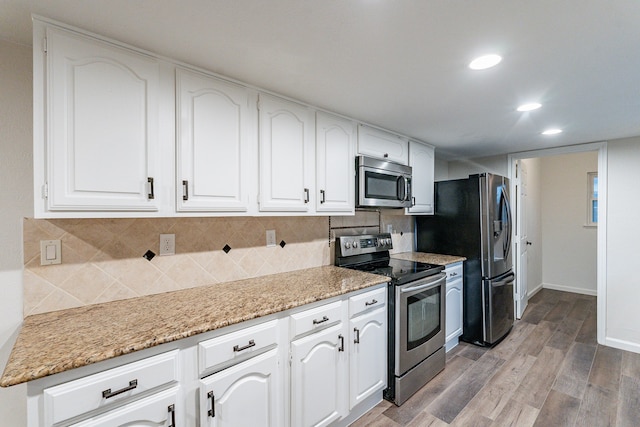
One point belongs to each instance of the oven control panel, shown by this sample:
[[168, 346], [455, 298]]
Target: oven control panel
[[363, 244]]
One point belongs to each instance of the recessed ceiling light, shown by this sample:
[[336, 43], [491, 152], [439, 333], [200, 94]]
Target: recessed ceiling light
[[529, 107], [552, 131], [486, 61]]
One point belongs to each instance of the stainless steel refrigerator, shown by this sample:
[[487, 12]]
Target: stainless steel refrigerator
[[473, 219]]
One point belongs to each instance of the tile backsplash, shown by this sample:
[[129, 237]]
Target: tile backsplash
[[102, 259]]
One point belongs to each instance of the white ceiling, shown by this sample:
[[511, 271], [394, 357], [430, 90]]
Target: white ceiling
[[400, 64]]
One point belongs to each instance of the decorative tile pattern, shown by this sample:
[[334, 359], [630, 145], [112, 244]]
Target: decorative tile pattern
[[102, 259]]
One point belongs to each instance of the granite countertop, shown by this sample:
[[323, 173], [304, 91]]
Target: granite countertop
[[54, 342], [429, 258]]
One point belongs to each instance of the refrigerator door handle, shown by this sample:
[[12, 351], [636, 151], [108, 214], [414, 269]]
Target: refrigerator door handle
[[507, 248]]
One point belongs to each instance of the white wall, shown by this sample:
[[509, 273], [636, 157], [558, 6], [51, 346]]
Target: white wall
[[623, 244], [441, 171], [16, 201], [533, 218], [569, 249], [463, 168]]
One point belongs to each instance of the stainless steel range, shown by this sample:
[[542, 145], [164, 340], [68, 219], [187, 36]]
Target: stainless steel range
[[416, 311]]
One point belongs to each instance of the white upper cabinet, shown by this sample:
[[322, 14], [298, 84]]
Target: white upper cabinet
[[335, 164], [422, 162], [214, 132], [101, 138], [286, 156], [382, 145]]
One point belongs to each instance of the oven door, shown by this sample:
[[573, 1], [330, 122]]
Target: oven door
[[420, 316]]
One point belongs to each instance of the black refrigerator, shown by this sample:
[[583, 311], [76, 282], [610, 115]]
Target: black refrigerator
[[473, 219]]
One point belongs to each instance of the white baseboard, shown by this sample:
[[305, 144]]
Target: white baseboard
[[534, 291], [622, 344], [563, 288]]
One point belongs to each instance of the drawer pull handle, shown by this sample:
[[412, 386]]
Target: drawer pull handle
[[373, 302], [357, 338], [341, 338], [107, 394], [237, 348], [212, 411], [324, 319], [453, 274], [172, 411]]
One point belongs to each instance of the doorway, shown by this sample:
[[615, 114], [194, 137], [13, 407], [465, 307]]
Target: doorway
[[530, 183]]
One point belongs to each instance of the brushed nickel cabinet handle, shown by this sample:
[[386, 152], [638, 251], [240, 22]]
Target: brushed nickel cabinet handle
[[373, 302], [341, 338], [185, 190], [324, 319], [357, 338], [306, 195], [322, 200], [237, 348], [108, 394]]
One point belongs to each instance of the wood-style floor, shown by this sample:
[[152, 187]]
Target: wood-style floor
[[549, 371]]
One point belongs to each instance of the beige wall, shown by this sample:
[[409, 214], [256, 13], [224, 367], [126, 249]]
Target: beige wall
[[16, 196], [569, 249], [623, 243]]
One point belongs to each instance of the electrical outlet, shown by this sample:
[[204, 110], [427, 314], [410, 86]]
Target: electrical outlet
[[167, 244], [271, 238]]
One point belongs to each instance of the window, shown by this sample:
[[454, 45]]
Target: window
[[592, 198]]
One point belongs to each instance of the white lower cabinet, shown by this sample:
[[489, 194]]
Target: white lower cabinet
[[319, 378], [247, 394], [453, 298], [159, 410], [317, 365], [368, 366]]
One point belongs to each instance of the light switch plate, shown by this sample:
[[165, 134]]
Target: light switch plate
[[50, 252], [271, 238]]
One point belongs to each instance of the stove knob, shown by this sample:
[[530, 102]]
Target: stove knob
[[347, 245], [388, 242], [381, 242], [355, 244]]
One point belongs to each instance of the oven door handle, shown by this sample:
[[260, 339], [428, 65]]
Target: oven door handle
[[421, 287]]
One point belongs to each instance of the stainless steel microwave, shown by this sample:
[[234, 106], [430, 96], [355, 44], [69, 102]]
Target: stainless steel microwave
[[381, 183]]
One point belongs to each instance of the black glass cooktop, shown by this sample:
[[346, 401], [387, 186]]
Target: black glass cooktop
[[400, 270]]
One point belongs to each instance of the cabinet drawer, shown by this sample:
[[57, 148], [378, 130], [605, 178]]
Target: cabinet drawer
[[159, 409], [316, 318], [237, 345], [105, 388], [367, 300], [453, 271]]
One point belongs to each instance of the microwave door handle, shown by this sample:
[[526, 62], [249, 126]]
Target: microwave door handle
[[407, 190], [421, 287], [401, 185]]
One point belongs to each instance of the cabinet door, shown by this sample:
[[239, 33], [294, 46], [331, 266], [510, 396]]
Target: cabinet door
[[247, 394], [286, 155], [102, 126], [319, 377], [382, 145], [160, 409], [453, 324], [335, 164], [368, 357], [422, 162], [212, 150]]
